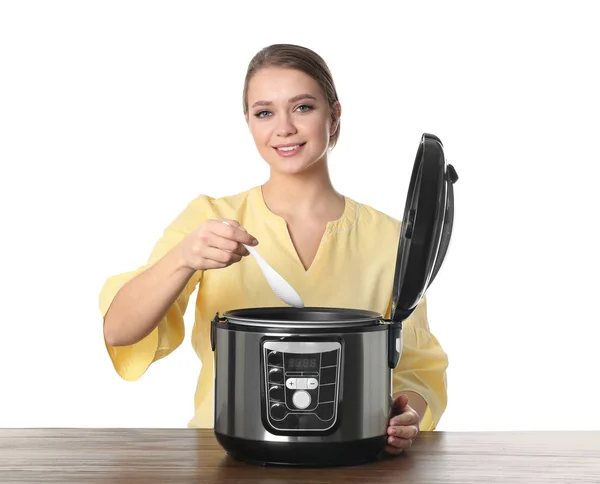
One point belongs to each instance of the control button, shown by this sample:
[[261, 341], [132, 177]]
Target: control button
[[291, 383], [275, 375], [328, 375], [275, 358], [290, 422], [301, 383], [276, 393], [309, 421], [327, 393], [329, 358], [325, 411], [301, 399], [311, 383], [278, 411]]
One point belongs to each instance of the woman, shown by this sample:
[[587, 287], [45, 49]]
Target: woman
[[316, 238]]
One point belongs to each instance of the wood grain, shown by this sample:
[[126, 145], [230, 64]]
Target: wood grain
[[193, 456]]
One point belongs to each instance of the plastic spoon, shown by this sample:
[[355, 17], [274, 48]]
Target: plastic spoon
[[279, 285]]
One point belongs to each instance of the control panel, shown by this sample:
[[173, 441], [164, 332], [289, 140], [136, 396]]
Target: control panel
[[302, 383]]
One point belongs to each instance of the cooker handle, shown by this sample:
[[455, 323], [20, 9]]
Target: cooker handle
[[394, 343], [213, 331]]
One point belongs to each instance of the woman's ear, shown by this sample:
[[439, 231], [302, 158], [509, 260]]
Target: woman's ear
[[336, 114]]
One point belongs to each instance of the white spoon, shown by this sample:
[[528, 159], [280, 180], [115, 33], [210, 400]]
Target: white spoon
[[278, 284]]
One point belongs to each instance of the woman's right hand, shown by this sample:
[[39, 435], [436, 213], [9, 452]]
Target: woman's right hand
[[215, 244]]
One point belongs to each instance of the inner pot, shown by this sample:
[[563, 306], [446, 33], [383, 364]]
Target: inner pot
[[303, 318]]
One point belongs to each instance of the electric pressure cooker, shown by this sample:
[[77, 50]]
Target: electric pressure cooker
[[312, 386]]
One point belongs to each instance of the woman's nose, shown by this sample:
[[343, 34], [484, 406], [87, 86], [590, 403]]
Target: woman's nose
[[285, 127]]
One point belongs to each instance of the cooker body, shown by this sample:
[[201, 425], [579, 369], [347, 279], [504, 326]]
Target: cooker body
[[302, 397]]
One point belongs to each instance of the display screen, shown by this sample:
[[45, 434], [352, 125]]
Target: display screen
[[301, 362]]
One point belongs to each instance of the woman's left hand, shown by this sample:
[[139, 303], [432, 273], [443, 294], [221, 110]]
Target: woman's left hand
[[403, 428]]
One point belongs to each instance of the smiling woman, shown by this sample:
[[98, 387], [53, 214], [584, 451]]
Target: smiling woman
[[335, 251], [282, 122]]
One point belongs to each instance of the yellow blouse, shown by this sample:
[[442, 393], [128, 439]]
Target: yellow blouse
[[353, 268]]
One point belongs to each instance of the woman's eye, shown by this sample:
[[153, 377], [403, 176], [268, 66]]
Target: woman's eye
[[262, 114], [304, 108]]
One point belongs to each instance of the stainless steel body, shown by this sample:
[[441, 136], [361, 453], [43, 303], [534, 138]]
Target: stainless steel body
[[343, 401]]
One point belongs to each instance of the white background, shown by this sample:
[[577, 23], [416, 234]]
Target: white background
[[114, 115]]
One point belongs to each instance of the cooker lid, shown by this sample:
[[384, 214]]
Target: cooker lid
[[426, 226]]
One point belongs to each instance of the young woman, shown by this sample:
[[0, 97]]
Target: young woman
[[333, 250]]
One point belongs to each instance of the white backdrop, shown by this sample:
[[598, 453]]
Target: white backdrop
[[113, 115]]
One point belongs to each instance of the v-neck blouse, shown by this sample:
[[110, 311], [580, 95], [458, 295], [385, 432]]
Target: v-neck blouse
[[276, 227], [353, 268]]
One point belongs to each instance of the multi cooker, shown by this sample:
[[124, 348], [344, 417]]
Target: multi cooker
[[312, 386]]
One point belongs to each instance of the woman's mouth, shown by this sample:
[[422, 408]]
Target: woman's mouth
[[288, 150]]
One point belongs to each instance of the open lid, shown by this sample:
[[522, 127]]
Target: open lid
[[426, 226]]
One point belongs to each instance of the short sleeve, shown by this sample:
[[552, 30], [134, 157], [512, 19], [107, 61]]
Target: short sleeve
[[422, 366], [132, 361]]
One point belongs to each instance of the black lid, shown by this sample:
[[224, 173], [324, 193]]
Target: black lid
[[426, 226]]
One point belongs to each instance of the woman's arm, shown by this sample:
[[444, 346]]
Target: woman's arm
[[143, 301], [140, 305]]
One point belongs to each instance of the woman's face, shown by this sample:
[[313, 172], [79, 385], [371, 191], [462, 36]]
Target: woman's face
[[289, 118]]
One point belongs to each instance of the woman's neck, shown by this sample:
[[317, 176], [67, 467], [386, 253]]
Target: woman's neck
[[306, 195]]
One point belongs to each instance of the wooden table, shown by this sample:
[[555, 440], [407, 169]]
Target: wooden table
[[193, 456]]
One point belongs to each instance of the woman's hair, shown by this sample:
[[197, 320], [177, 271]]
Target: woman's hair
[[300, 58]]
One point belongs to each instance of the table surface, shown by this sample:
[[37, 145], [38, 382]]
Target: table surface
[[193, 456]]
